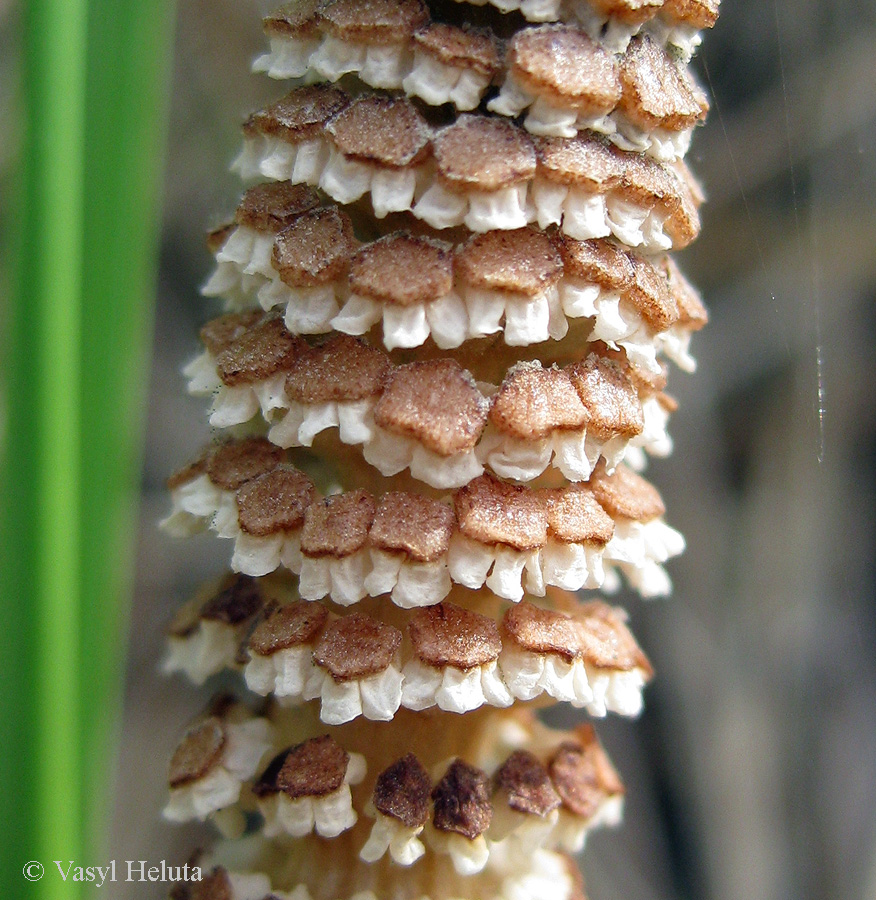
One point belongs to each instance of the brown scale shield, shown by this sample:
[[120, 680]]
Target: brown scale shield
[[434, 773]]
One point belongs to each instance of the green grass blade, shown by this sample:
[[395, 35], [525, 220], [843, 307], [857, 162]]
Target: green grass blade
[[41, 460], [76, 332], [128, 70]]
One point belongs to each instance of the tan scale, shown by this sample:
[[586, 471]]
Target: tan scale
[[462, 801], [403, 792], [695, 13], [626, 495], [264, 349], [198, 753], [289, 625], [275, 501], [563, 65], [298, 19], [598, 261], [650, 295], [301, 115], [447, 635], [373, 21], [338, 526], [313, 768], [533, 401], [272, 206], [582, 774], [482, 154], [219, 334], [402, 269], [575, 516], [413, 525], [341, 369], [380, 130], [657, 92], [232, 464], [437, 403], [356, 646], [462, 48], [581, 161], [521, 261], [491, 511], [611, 400], [315, 249]]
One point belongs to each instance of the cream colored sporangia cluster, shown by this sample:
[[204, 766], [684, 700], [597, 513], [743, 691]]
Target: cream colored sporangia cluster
[[441, 366]]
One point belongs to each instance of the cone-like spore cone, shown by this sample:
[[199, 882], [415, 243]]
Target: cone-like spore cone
[[440, 367]]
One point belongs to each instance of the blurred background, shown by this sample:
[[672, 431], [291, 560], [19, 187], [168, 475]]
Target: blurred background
[[752, 772]]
